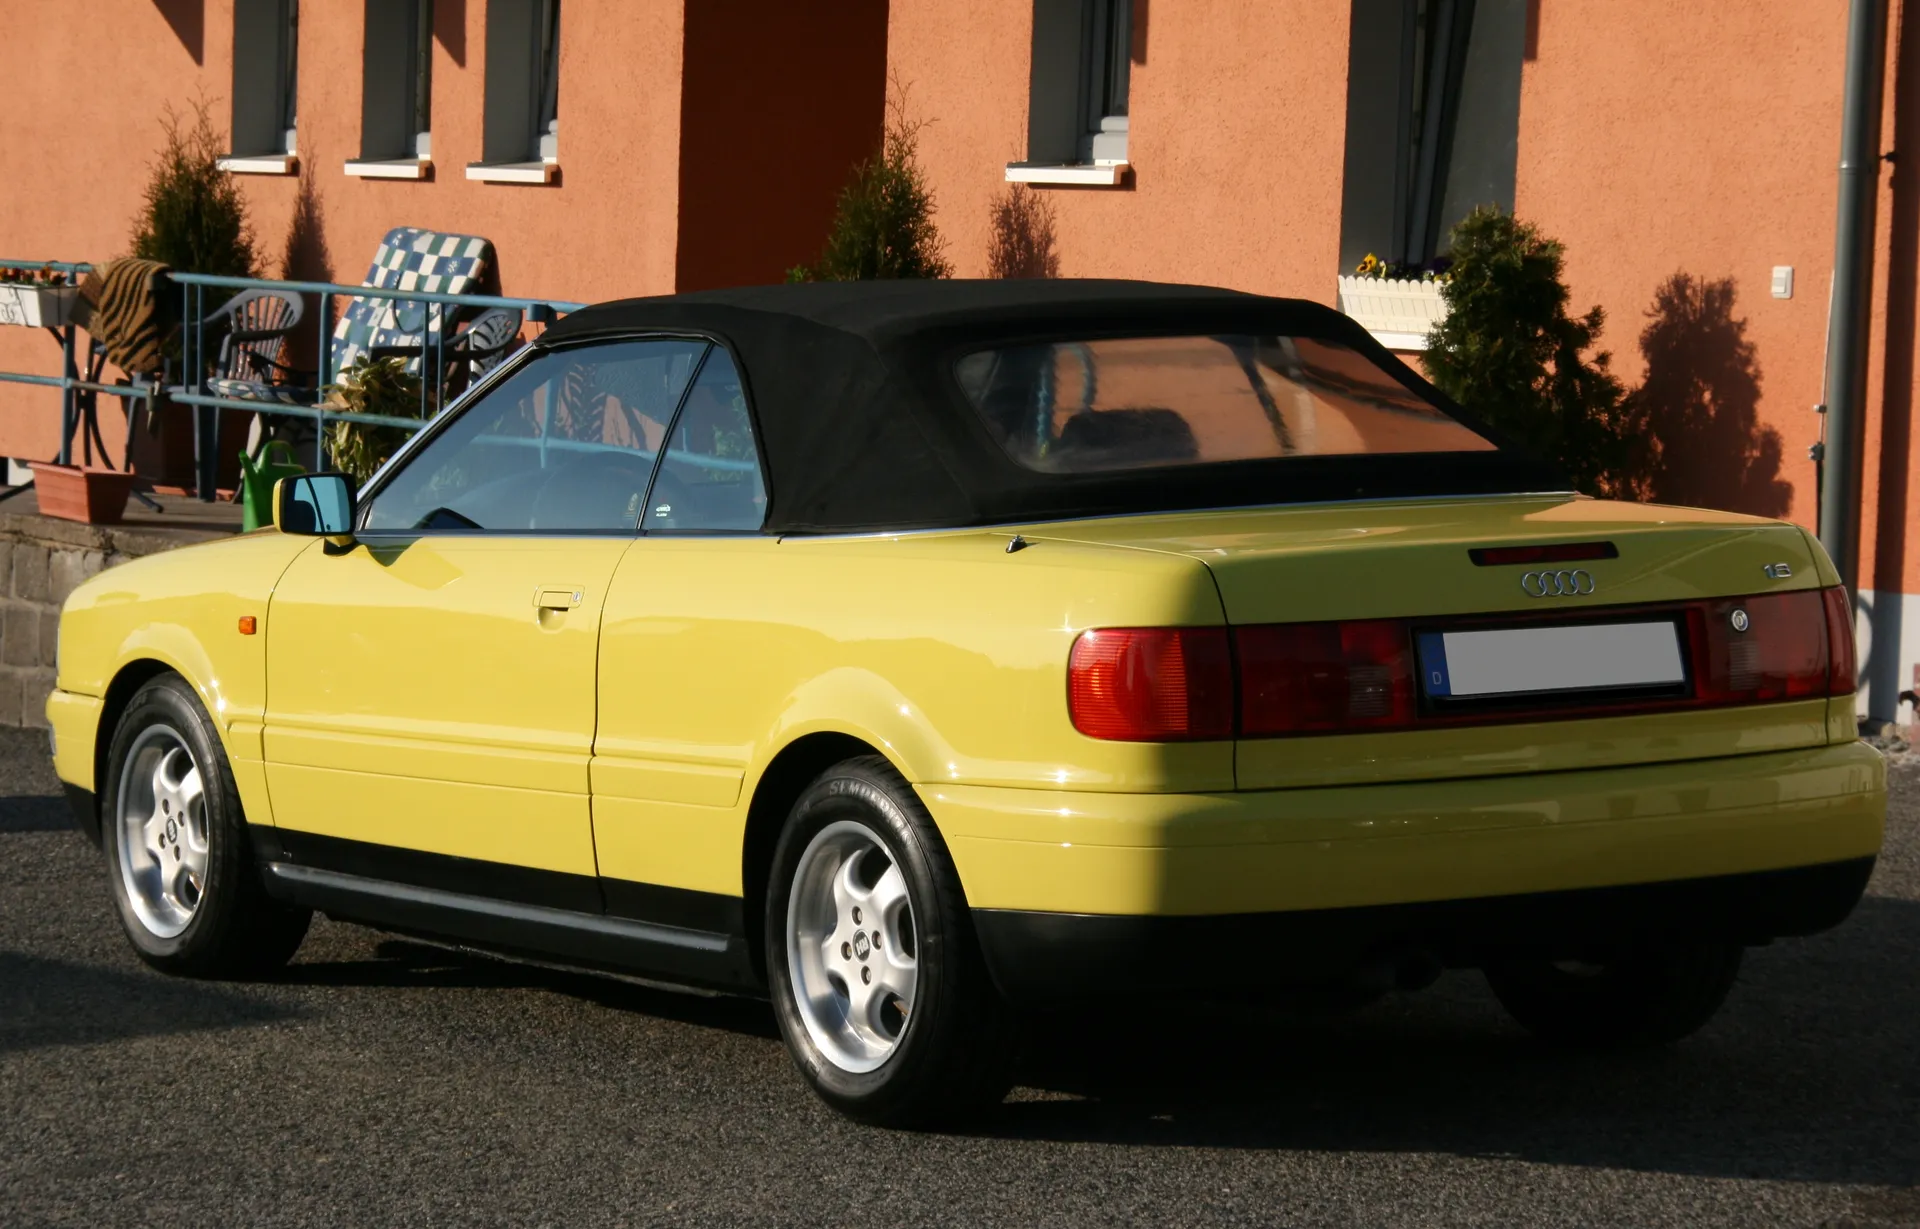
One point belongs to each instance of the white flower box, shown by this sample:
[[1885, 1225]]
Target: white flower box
[[1399, 313], [34, 306]]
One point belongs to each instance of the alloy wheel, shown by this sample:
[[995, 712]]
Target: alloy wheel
[[162, 830], [851, 946]]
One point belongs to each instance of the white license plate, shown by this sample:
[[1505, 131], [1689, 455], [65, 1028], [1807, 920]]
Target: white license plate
[[1519, 660]]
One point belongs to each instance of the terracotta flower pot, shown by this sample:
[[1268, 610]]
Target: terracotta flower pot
[[74, 493]]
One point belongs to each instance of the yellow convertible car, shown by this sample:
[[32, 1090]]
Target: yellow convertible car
[[922, 654]]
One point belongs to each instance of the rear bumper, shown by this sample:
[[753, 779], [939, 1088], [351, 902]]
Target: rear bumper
[[1049, 957], [1083, 888]]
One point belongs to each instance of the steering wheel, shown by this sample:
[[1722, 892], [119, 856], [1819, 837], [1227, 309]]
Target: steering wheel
[[601, 490]]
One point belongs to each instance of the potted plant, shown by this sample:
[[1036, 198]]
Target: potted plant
[[84, 493], [1398, 304], [380, 386], [36, 297]]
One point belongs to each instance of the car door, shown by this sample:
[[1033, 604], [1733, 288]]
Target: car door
[[431, 690], [668, 811]]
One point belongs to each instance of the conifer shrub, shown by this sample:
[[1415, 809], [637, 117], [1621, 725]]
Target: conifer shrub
[[1508, 350], [883, 226], [194, 218]]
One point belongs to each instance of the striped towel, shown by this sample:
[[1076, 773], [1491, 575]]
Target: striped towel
[[128, 312]]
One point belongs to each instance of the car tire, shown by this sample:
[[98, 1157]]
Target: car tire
[[1651, 996], [858, 844], [178, 858]]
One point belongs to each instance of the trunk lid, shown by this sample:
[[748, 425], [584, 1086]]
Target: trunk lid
[[1411, 560]]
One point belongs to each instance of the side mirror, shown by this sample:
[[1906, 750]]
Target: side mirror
[[315, 506]]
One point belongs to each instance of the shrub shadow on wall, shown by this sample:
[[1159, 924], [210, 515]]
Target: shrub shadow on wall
[[1694, 420], [1021, 241], [305, 257]]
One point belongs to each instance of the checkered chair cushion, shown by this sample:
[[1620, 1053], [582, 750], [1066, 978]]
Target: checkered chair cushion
[[256, 390], [409, 259]]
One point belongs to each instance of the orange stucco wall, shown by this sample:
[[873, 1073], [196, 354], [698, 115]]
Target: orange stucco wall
[[1657, 137], [702, 143], [1238, 125], [786, 103], [1648, 158]]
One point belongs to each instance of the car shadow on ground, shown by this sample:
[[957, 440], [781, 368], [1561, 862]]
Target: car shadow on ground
[[34, 814], [49, 1002], [409, 963], [1812, 1072], [1785, 1084]]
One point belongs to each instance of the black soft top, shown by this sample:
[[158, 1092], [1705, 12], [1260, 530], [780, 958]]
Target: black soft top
[[863, 427]]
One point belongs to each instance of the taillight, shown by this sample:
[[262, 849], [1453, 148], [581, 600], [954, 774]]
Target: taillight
[[1756, 649], [1169, 684], [1151, 684], [1840, 663], [1300, 678]]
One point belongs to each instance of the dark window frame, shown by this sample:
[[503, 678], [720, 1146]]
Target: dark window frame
[[520, 122], [396, 80], [1406, 86], [266, 78], [1080, 86]]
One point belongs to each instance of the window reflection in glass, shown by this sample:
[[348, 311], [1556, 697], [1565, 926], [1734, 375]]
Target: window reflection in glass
[[711, 477], [1154, 402], [565, 444]]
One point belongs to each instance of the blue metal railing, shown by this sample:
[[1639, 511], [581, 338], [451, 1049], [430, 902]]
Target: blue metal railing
[[438, 310], [72, 387]]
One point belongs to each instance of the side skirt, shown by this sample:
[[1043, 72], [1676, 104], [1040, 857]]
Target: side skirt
[[709, 959]]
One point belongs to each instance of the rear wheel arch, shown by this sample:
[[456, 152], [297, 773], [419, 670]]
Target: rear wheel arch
[[787, 776]]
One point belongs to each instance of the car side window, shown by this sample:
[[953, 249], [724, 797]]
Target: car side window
[[566, 444], [711, 479]]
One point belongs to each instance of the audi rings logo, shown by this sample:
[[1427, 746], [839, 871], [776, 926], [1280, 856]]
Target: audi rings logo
[[1577, 583]]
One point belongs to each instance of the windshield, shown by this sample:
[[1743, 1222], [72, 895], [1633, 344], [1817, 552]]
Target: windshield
[[1127, 403]]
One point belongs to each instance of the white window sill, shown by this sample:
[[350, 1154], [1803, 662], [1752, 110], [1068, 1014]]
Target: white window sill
[[1402, 342], [512, 172], [390, 168], [260, 164], [1100, 175]]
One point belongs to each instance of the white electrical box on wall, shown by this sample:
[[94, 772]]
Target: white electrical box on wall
[[1783, 281]]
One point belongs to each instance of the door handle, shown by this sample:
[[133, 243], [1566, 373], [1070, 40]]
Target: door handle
[[557, 597]]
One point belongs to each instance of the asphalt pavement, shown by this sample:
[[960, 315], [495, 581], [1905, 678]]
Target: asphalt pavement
[[386, 1082]]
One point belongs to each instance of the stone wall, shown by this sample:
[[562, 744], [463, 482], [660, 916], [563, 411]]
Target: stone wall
[[42, 561]]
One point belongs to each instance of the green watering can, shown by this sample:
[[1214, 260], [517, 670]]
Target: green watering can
[[257, 479]]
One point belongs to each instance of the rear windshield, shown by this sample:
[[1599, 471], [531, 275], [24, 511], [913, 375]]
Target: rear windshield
[[1124, 403]]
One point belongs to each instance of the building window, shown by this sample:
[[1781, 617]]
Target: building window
[[1077, 107], [396, 88], [265, 59], [522, 128], [1433, 122]]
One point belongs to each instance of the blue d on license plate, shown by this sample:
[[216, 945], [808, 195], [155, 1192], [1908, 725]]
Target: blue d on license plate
[[1520, 660]]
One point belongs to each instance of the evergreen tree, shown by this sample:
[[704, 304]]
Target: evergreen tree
[[194, 218], [883, 227], [1508, 350]]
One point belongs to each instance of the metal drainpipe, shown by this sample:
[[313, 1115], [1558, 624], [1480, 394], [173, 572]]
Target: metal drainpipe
[[1852, 286]]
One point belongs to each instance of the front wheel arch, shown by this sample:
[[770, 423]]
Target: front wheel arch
[[120, 692]]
